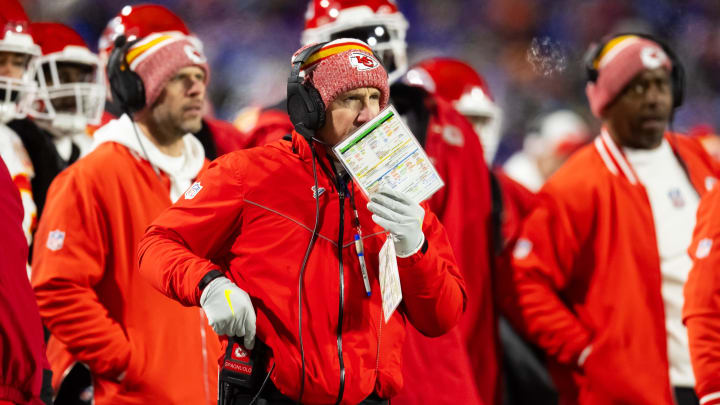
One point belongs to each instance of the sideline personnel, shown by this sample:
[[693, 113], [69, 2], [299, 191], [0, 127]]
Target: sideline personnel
[[140, 346], [599, 269], [248, 220]]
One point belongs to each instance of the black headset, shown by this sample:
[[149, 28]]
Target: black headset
[[677, 74], [304, 103], [126, 86]]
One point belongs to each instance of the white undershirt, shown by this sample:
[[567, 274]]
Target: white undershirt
[[674, 202]]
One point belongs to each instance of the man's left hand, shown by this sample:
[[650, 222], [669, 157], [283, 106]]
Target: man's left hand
[[400, 216]]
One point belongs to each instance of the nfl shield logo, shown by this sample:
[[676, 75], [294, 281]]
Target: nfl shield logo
[[55, 240], [523, 247], [703, 248], [193, 190], [676, 197], [710, 183]]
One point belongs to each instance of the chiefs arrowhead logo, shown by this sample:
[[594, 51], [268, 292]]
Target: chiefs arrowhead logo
[[239, 353], [362, 61], [194, 54], [652, 57]]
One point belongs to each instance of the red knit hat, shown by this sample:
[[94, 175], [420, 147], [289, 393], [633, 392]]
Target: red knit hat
[[343, 65], [157, 57], [620, 60]]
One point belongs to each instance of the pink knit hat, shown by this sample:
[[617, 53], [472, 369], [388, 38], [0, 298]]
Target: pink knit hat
[[343, 65], [157, 57], [620, 60]]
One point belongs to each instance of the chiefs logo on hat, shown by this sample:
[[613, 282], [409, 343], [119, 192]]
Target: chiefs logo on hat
[[194, 55], [652, 57], [362, 61]]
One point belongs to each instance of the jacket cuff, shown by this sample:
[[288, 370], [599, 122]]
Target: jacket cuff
[[207, 278], [421, 247], [712, 398]]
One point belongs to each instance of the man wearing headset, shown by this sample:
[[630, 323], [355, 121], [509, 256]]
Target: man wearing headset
[[241, 243], [599, 268], [140, 346]]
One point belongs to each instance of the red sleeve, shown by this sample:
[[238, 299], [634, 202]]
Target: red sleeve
[[433, 289], [22, 348], [701, 311], [172, 254], [64, 278], [541, 262]]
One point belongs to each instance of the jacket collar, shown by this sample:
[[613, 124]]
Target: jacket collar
[[616, 162], [301, 148], [613, 157]]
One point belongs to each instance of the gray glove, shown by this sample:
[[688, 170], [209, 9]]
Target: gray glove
[[400, 216], [229, 310]]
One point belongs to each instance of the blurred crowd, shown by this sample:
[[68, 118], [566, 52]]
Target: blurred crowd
[[159, 157], [530, 52]]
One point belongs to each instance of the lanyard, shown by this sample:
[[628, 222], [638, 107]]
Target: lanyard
[[359, 247]]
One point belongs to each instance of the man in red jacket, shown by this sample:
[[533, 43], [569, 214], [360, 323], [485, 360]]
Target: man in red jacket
[[22, 357], [465, 360], [600, 265], [271, 229], [701, 311], [140, 346]]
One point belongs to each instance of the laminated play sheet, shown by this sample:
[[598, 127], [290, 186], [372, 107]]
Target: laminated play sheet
[[384, 151]]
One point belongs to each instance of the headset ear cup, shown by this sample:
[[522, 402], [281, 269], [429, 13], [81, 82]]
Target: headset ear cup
[[317, 101], [678, 82], [305, 106], [136, 97], [126, 86], [589, 61]]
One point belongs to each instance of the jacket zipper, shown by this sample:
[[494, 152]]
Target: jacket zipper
[[377, 356], [341, 194]]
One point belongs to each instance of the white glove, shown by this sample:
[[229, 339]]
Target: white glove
[[229, 310], [401, 217]]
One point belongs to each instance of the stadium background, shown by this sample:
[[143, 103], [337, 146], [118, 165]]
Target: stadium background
[[530, 51]]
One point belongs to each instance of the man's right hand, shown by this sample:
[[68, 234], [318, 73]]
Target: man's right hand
[[229, 310]]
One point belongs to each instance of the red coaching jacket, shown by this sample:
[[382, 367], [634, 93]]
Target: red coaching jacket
[[22, 349], [98, 307], [441, 369], [586, 271], [701, 311], [251, 215]]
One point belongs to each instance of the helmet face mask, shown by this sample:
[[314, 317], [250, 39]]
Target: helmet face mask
[[16, 90], [70, 81], [16, 96], [69, 88], [377, 22]]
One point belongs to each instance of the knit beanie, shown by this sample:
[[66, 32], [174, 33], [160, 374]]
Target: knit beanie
[[620, 60], [342, 65], [157, 57]]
